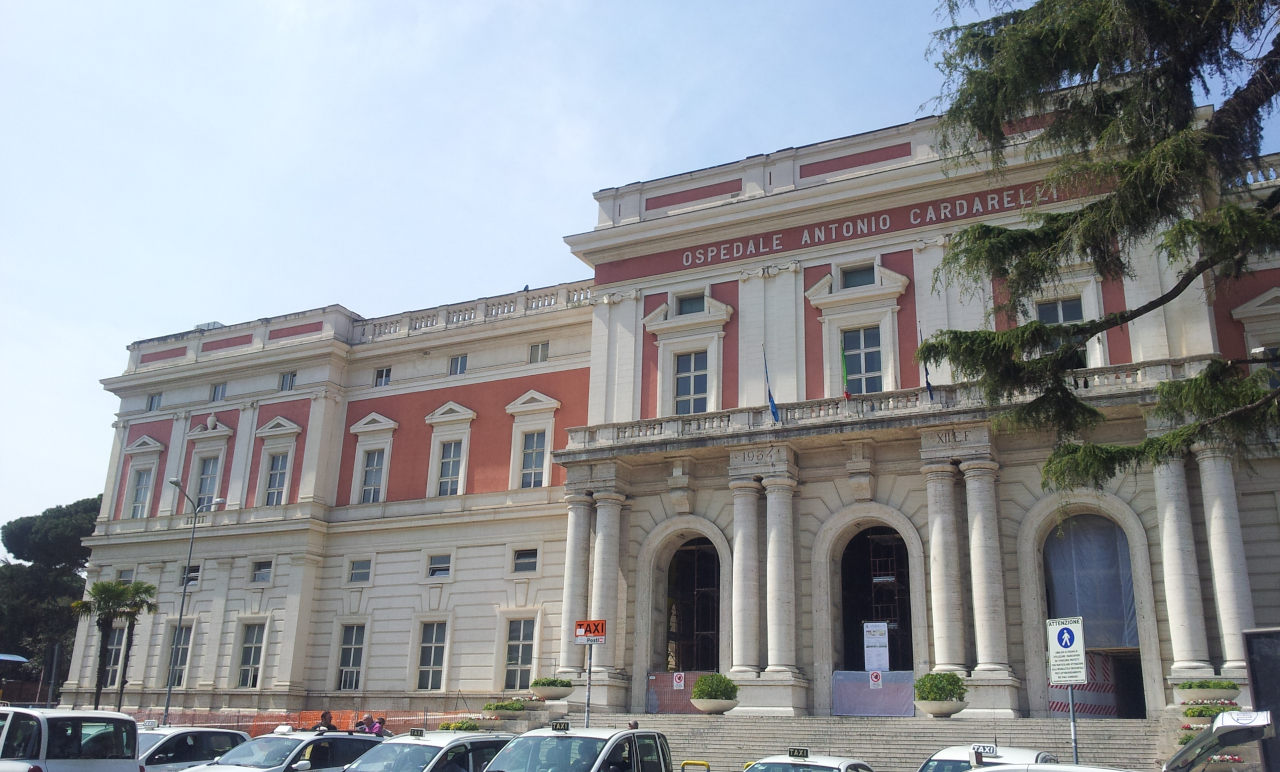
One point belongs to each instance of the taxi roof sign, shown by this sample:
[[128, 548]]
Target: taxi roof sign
[[417, 732], [798, 753], [559, 726]]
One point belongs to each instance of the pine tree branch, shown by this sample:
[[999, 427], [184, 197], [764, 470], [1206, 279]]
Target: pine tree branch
[[1239, 113]]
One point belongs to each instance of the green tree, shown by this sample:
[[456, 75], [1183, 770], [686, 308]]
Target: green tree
[[1114, 86], [105, 603], [140, 599], [52, 538]]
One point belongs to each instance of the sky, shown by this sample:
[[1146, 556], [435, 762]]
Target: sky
[[168, 163]]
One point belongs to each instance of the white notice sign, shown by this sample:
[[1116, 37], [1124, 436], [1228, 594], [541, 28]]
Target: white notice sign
[[875, 645], [677, 681], [1066, 652]]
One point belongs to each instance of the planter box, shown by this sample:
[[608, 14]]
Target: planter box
[[1187, 695], [551, 692], [941, 708], [714, 707], [505, 715]]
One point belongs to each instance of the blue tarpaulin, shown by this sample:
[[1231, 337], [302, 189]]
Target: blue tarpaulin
[[852, 695]]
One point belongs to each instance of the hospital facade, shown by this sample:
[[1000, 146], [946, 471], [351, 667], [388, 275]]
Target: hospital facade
[[418, 507]]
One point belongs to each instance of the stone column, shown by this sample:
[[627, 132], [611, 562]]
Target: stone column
[[604, 579], [304, 575], [574, 604], [944, 568], [780, 587], [746, 575], [1226, 554], [985, 567], [1181, 572]]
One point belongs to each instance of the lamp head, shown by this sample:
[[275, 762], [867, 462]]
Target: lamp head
[[216, 502], [175, 482]]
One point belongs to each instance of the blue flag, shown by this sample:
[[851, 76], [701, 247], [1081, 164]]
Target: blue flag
[[773, 406]]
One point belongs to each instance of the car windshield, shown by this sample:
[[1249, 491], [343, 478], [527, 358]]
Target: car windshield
[[148, 740], [261, 753], [787, 767], [547, 753], [91, 738], [396, 757], [945, 765]]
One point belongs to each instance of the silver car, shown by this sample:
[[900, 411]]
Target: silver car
[[289, 751], [173, 748], [421, 751], [67, 741]]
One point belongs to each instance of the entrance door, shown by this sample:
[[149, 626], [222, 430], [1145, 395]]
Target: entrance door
[[875, 587], [693, 608]]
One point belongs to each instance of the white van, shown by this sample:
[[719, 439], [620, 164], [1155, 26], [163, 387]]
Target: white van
[[36, 740]]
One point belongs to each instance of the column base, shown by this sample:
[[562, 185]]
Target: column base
[[992, 694], [1191, 671], [771, 693], [609, 692]]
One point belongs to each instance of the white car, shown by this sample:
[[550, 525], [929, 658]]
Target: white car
[[173, 748], [421, 751], [958, 758], [67, 741], [563, 749], [285, 750], [799, 760]]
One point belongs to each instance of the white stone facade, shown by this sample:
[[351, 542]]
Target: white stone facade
[[701, 281]]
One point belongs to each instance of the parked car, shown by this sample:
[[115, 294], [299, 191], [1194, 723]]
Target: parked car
[[799, 760], [285, 750], [421, 751], [564, 749], [34, 739], [172, 748], [958, 758]]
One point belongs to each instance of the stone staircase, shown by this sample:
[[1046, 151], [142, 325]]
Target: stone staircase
[[893, 744]]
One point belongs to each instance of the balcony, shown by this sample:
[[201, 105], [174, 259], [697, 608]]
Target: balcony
[[1102, 386]]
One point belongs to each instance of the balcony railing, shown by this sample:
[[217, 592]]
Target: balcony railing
[[1100, 382], [477, 312]]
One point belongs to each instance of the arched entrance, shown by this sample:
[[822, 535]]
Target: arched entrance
[[876, 587], [1087, 574], [693, 608]]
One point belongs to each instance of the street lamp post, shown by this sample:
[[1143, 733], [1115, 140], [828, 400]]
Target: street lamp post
[[182, 606]]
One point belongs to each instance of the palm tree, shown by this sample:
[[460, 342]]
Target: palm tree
[[105, 601], [141, 600]]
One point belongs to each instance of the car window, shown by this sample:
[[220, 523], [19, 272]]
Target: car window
[[177, 749], [395, 757], [216, 744], [261, 752], [945, 765], [647, 751], [666, 752], [23, 739], [148, 740], [348, 749], [4, 718], [483, 752], [91, 738], [548, 753], [319, 753], [620, 758]]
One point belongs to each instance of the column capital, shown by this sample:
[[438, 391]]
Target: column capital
[[741, 486], [979, 466], [936, 471], [610, 497], [1205, 450], [578, 497], [780, 481]]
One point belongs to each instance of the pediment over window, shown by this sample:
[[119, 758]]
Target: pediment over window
[[1265, 305], [211, 429], [888, 286], [450, 413], [278, 427], [374, 422], [663, 323], [144, 444], [533, 402]]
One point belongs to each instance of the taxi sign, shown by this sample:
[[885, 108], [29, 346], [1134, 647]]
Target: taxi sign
[[985, 750], [588, 631], [417, 732], [798, 753], [150, 723], [559, 726], [1066, 652]]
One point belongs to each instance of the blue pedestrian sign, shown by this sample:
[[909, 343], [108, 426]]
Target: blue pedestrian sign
[[1066, 652]]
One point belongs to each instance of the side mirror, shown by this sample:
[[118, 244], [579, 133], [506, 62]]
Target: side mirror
[[215, 760], [302, 766]]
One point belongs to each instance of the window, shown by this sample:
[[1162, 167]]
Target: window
[[1274, 366], [141, 493], [153, 402], [192, 574], [351, 655], [525, 561], [458, 365], [693, 305], [359, 571], [261, 572], [538, 353], [180, 650], [450, 468], [431, 657], [276, 479], [531, 459], [115, 645], [218, 392], [125, 576], [862, 361], [439, 565], [287, 380], [1065, 311], [23, 738], [382, 377], [858, 277], [371, 484], [691, 383], [251, 655], [519, 653], [208, 483]]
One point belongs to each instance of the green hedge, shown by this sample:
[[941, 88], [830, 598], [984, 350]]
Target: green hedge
[[940, 687], [1208, 685], [509, 705], [466, 725], [1186, 738], [561, 682], [714, 686], [1207, 711]]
